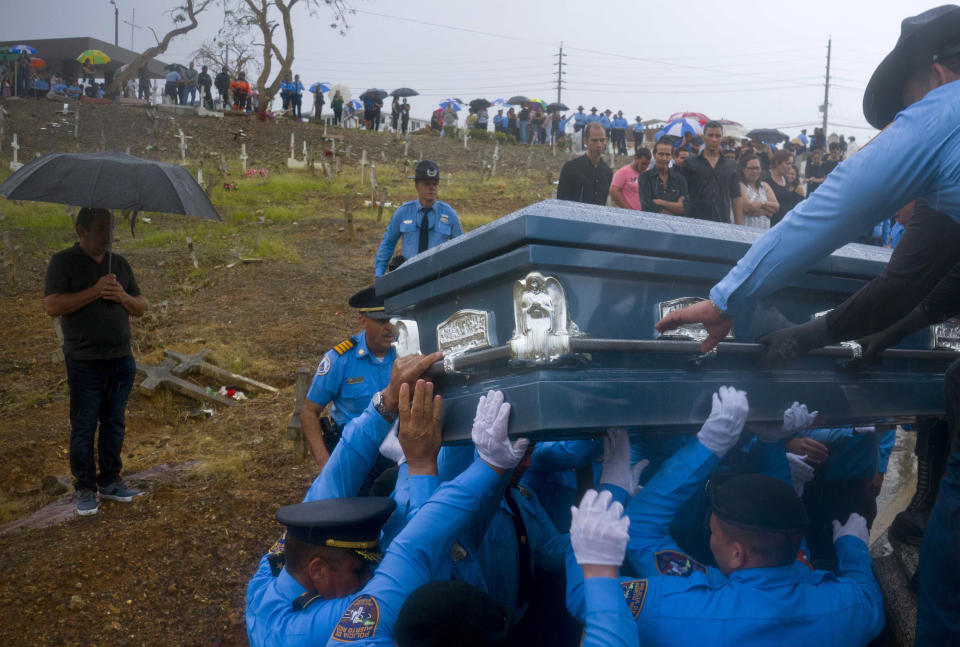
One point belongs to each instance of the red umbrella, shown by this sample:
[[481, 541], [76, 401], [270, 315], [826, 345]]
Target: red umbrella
[[699, 116], [37, 63]]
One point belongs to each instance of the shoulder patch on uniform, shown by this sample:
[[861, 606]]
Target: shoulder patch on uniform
[[634, 592], [324, 366], [359, 621], [344, 346], [304, 601], [673, 562], [275, 555], [804, 558]]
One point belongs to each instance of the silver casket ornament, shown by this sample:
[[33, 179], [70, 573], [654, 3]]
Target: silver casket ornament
[[542, 327], [946, 335], [407, 333], [686, 332], [463, 331]]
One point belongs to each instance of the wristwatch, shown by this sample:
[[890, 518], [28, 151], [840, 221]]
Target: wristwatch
[[381, 408]]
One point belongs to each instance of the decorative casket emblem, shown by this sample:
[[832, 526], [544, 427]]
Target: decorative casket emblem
[[407, 336], [687, 332], [542, 327], [463, 331], [946, 335]]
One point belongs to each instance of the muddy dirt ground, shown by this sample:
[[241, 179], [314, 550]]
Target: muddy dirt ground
[[171, 567]]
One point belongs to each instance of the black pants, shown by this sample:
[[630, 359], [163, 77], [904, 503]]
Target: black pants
[[296, 104], [930, 247], [337, 113], [98, 394]]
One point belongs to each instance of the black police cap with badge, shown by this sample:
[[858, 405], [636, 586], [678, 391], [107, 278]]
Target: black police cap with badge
[[353, 523], [369, 304], [758, 502], [926, 38], [426, 170]]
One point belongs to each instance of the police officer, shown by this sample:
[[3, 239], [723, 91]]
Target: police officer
[[420, 224], [759, 592], [579, 119], [637, 134], [348, 376], [620, 133], [324, 588], [915, 91]]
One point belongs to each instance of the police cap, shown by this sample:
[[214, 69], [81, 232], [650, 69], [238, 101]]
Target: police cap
[[369, 304], [348, 522], [427, 170], [758, 502]]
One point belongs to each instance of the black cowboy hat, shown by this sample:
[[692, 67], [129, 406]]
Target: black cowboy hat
[[924, 38]]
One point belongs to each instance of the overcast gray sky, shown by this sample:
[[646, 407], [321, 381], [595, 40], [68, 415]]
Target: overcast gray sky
[[759, 63]]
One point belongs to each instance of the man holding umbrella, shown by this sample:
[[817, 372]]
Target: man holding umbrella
[[95, 296]]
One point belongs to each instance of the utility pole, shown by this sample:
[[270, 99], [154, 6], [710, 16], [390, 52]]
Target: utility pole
[[116, 23], [826, 94], [133, 25], [559, 66]]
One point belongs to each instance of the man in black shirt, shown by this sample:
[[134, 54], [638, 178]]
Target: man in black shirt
[[713, 180], [663, 189], [587, 178], [94, 295]]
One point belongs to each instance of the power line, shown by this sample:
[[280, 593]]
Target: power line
[[463, 29]]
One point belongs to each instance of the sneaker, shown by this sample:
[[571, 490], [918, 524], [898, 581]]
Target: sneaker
[[118, 491], [87, 503]]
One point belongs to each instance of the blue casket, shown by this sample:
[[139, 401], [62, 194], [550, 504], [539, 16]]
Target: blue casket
[[555, 305]]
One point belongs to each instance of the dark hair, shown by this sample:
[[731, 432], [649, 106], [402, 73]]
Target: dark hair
[[746, 159], [86, 215], [643, 152], [297, 554], [772, 549], [451, 612], [713, 124], [663, 142], [782, 156], [679, 149]]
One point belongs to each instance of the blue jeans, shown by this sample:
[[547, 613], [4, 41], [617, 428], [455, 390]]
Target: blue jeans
[[192, 95], [98, 393], [522, 125], [938, 603]]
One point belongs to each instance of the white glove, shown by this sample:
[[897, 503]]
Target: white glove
[[723, 426], [598, 531], [800, 472], [796, 418], [856, 526], [616, 462], [390, 447], [490, 433]]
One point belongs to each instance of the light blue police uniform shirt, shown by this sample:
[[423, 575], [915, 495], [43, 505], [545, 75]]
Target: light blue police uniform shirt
[[853, 455], [619, 122], [405, 226], [368, 615], [579, 118], [637, 127], [350, 379], [678, 601], [605, 120], [591, 118], [916, 157]]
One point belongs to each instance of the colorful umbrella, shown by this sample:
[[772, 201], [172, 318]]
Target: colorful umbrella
[[543, 104], [450, 102], [24, 49], [679, 127], [355, 104], [497, 102], [324, 87], [404, 92], [37, 63], [699, 116], [93, 57]]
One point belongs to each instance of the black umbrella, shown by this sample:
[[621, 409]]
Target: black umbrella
[[404, 92], [373, 93], [517, 100], [109, 180], [175, 66], [768, 135], [557, 107], [479, 104]]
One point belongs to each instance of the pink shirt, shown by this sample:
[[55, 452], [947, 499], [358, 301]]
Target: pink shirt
[[625, 179]]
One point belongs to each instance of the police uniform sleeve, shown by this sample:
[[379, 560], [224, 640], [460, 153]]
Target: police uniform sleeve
[[608, 619], [884, 449], [881, 177], [352, 458], [413, 557], [653, 509], [549, 545], [563, 455], [389, 242], [455, 228], [854, 570], [327, 379]]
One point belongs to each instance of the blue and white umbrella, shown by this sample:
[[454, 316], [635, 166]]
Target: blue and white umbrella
[[681, 126], [324, 87], [451, 102], [356, 104], [24, 49], [498, 102]]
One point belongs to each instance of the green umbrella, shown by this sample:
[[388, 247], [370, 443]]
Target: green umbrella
[[93, 57]]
